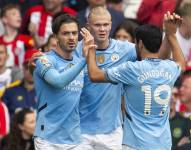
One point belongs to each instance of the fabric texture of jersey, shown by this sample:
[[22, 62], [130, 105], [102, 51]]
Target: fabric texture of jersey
[[100, 105], [58, 114], [147, 86]]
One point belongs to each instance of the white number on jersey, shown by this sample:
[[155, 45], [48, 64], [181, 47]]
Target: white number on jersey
[[148, 97]]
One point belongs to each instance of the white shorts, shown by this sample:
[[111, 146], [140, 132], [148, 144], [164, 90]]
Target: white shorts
[[111, 141], [126, 147], [41, 144]]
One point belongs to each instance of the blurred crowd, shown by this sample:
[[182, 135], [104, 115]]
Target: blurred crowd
[[25, 28]]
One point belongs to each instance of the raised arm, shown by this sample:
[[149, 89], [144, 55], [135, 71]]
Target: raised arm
[[95, 73], [171, 23], [47, 71]]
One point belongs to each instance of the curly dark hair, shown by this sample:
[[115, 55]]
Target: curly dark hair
[[14, 140]]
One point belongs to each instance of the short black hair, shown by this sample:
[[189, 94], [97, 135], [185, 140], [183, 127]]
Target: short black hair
[[151, 37], [60, 19]]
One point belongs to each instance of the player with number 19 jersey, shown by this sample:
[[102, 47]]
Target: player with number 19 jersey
[[147, 88]]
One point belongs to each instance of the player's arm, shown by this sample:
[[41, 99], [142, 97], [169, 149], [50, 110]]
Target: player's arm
[[95, 73], [165, 50], [47, 71], [171, 23], [112, 75], [118, 74]]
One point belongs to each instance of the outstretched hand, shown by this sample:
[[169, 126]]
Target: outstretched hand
[[31, 63], [88, 41], [171, 22]]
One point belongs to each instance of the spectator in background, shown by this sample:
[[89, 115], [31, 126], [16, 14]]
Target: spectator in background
[[1, 28], [115, 4], [148, 11], [8, 75], [50, 44], [4, 121], [185, 94], [21, 94], [21, 132], [117, 17], [77, 4], [180, 126], [38, 19], [24, 4], [16, 43], [184, 32], [152, 11], [125, 31]]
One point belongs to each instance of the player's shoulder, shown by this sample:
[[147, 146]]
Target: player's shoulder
[[133, 65], [126, 44], [123, 46], [170, 63], [48, 57]]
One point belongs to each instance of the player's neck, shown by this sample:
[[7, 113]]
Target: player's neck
[[64, 54], [102, 45], [10, 34], [146, 54]]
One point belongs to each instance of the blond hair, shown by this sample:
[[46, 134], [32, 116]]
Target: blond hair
[[98, 11]]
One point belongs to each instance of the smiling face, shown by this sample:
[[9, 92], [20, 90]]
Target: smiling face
[[68, 36]]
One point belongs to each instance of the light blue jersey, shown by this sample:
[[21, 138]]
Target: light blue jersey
[[147, 85], [58, 118], [100, 103]]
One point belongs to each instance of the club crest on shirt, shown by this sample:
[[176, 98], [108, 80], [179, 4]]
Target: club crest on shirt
[[114, 57], [100, 59]]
